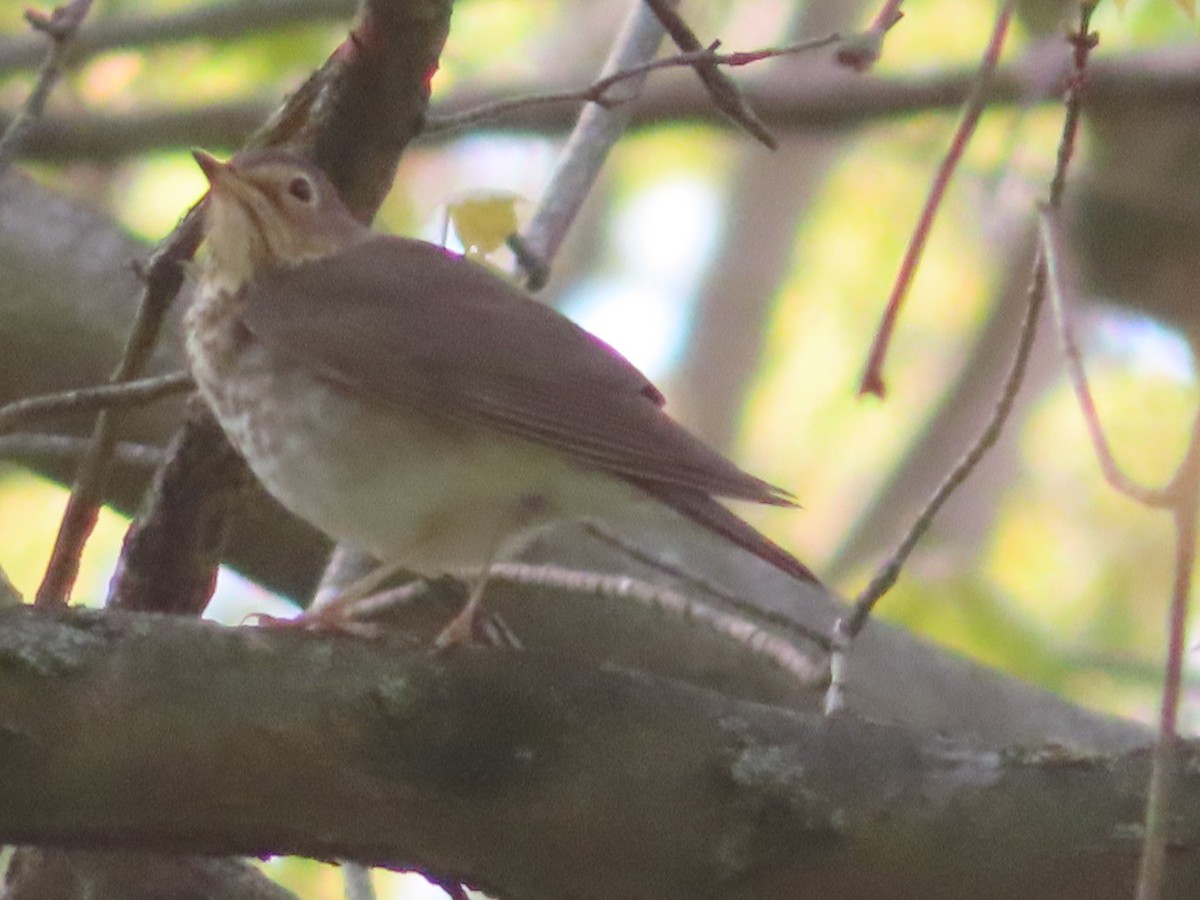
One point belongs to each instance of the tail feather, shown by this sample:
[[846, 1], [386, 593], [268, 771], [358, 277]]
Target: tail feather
[[704, 510]]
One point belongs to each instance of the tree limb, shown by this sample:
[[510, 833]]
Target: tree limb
[[613, 784], [841, 99]]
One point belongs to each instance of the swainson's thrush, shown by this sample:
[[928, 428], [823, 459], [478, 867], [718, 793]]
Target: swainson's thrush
[[414, 404]]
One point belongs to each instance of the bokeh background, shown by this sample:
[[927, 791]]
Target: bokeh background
[[749, 284]]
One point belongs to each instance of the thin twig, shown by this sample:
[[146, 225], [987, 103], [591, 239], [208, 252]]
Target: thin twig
[[889, 14], [1165, 79], [693, 580], [207, 21], [1053, 249], [724, 91], [597, 91], [163, 276], [109, 396], [23, 445], [872, 381], [1185, 491], [779, 650], [60, 26], [883, 580]]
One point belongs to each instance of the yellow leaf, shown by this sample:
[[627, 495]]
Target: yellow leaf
[[484, 219], [1188, 6]]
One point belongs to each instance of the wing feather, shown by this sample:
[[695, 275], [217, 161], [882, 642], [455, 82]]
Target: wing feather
[[412, 325]]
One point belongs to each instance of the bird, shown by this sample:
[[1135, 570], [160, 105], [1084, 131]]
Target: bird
[[418, 406]]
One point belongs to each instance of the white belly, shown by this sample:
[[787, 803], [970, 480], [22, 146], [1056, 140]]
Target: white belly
[[406, 488]]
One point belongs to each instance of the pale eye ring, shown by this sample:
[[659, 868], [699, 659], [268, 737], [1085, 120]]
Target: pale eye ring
[[302, 189]]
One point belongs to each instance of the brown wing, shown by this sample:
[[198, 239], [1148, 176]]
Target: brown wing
[[412, 325]]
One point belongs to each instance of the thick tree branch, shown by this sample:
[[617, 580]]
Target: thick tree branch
[[365, 750], [839, 100]]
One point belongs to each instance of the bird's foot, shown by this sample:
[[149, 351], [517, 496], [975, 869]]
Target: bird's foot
[[460, 631]]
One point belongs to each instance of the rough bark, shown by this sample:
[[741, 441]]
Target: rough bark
[[533, 774]]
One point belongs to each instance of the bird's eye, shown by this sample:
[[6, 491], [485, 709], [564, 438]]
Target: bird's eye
[[301, 188]]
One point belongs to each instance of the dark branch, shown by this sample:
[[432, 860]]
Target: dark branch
[[725, 93], [34, 448], [130, 393], [436, 762]]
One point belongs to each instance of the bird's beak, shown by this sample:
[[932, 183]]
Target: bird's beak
[[214, 170]]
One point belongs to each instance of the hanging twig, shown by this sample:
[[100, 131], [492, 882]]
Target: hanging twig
[[1180, 497], [872, 381], [1050, 234], [845, 630], [1185, 493]]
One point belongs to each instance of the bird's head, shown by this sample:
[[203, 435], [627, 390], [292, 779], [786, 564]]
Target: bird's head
[[271, 208]]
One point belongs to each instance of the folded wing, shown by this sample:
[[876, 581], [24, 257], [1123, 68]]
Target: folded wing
[[409, 324]]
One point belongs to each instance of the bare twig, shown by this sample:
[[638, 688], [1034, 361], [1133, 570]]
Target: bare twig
[[693, 580], [22, 445], [60, 27], [1180, 497], [597, 91], [872, 382], [779, 650], [883, 580], [890, 571], [1053, 249], [110, 396], [724, 92], [889, 14], [198, 22], [163, 276], [1165, 78], [1185, 490]]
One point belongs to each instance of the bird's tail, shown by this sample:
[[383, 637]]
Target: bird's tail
[[704, 510]]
